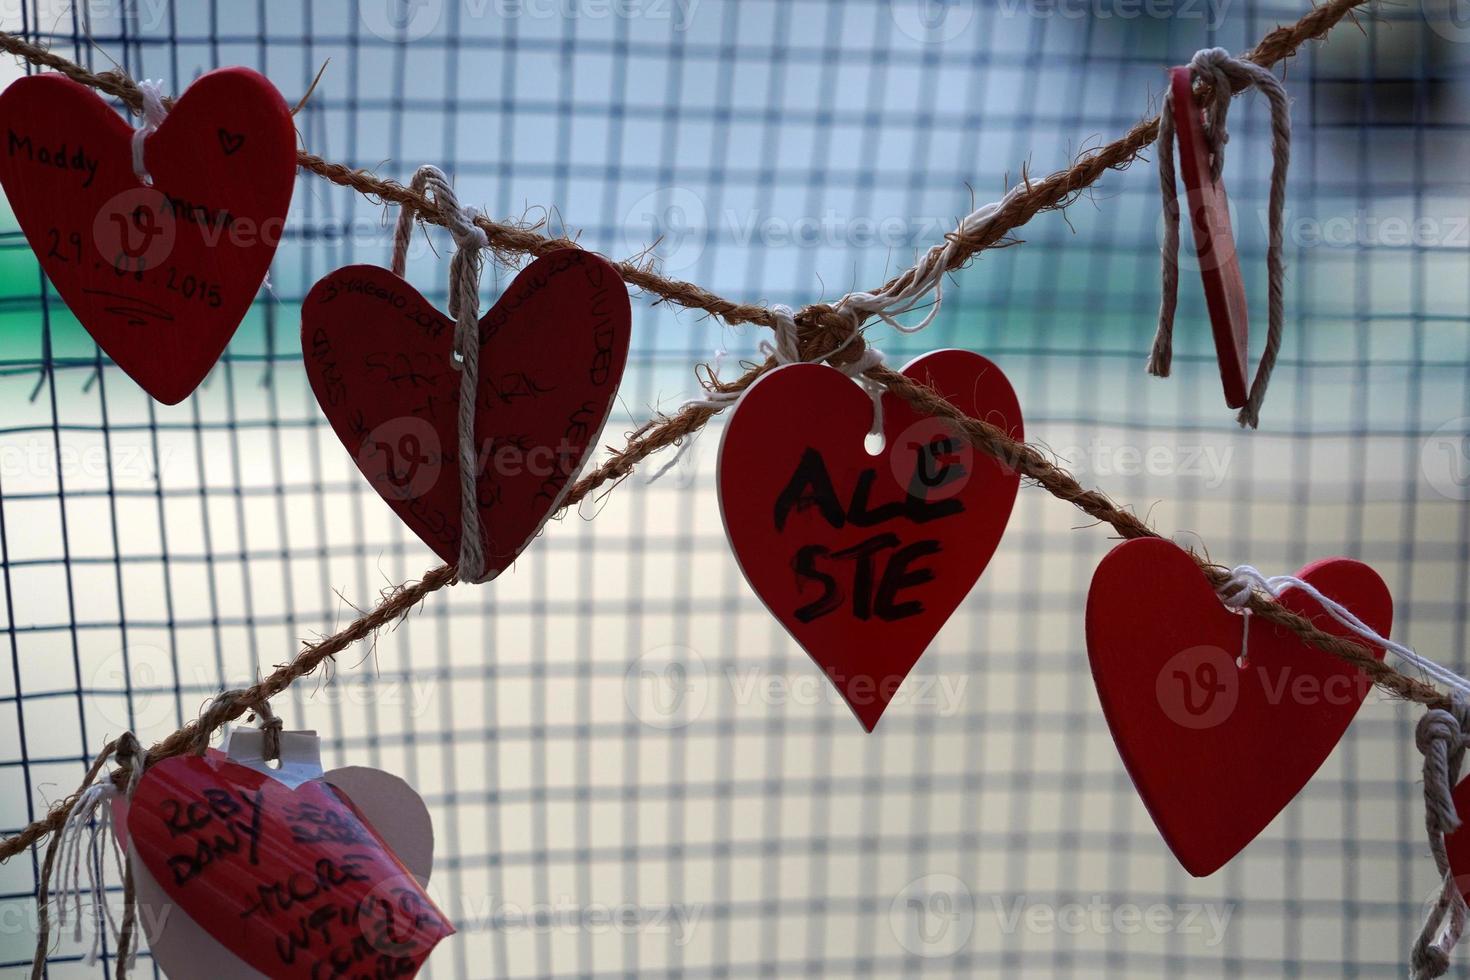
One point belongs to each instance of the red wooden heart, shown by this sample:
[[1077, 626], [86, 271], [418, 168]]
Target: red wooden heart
[[552, 353], [1214, 242], [160, 276], [862, 558], [1215, 749], [1457, 845], [294, 882]]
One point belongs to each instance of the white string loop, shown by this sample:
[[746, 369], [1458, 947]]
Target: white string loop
[[1244, 579], [154, 114]]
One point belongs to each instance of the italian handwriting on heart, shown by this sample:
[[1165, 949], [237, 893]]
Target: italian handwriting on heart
[[552, 351], [1214, 242], [293, 882], [159, 275], [863, 557], [1217, 748]]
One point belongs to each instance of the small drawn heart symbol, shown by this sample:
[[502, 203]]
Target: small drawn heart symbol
[[230, 142]]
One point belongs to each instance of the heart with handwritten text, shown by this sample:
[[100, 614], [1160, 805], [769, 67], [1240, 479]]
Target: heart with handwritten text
[[862, 556], [1218, 745], [552, 350], [160, 274], [294, 882]]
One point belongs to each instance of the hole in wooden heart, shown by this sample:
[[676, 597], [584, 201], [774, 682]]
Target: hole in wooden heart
[[874, 443]]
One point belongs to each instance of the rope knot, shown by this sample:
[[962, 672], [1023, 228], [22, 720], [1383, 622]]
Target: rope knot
[[1438, 726], [1216, 77], [828, 334], [1240, 585]]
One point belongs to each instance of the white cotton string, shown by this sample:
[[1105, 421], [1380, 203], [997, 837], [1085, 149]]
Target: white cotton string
[[464, 305], [1236, 593], [915, 286], [79, 847], [153, 115], [786, 349], [1441, 738], [1226, 76]]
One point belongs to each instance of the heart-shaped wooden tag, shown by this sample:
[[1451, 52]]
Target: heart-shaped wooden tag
[[1457, 845], [1218, 748], [552, 352], [1214, 241], [863, 557], [293, 882], [160, 275]]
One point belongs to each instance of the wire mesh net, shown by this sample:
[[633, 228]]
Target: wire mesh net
[[632, 770]]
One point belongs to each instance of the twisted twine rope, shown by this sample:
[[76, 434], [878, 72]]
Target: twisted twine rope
[[1224, 77], [1440, 737], [821, 327], [464, 305]]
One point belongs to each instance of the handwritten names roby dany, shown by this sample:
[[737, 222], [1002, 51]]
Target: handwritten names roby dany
[[294, 882]]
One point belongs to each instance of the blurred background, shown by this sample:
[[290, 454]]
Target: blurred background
[[616, 729]]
